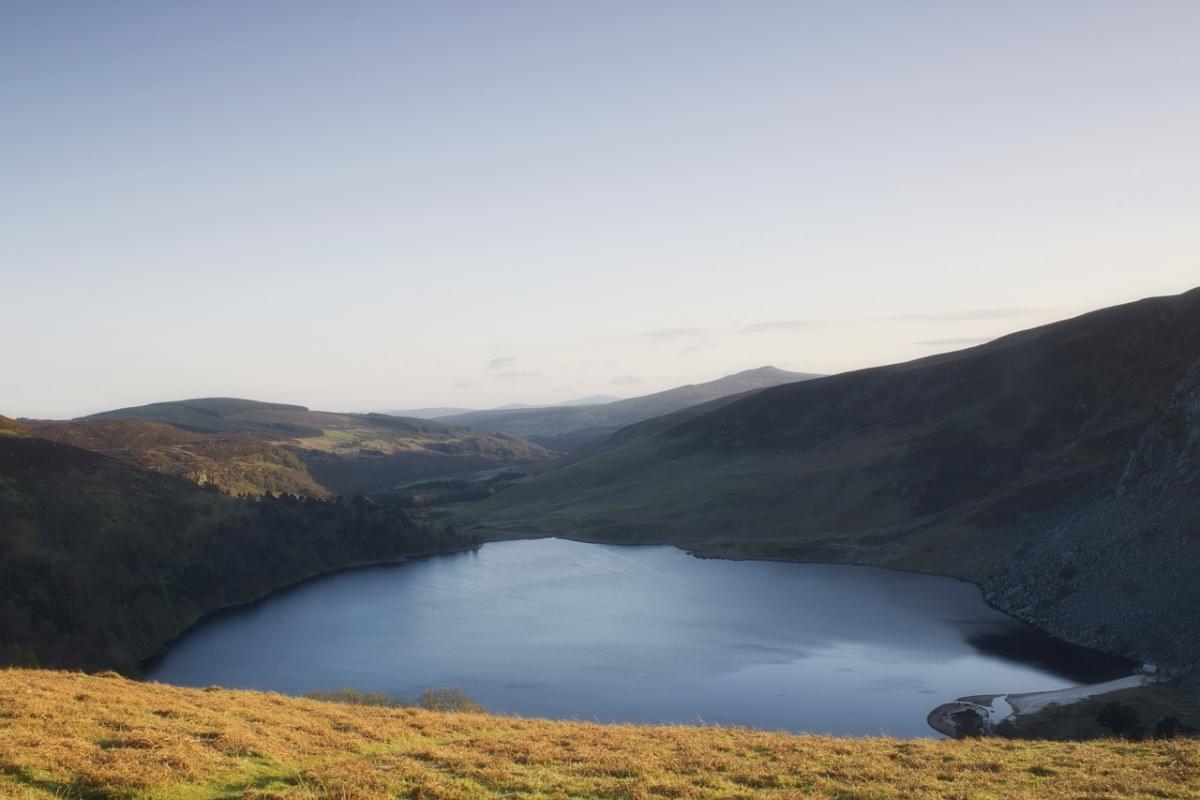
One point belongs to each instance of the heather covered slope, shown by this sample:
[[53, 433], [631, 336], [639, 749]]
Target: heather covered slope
[[248, 447], [245, 464], [949, 464], [71, 735], [102, 562], [567, 428]]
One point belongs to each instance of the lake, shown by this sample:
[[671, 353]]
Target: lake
[[562, 629]]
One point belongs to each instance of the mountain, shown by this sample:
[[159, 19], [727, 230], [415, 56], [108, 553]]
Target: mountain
[[244, 446], [567, 428], [105, 562], [980, 463]]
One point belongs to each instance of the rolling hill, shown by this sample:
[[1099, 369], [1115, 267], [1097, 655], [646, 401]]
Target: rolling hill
[[567, 428], [1000, 464], [248, 447], [213, 415], [103, 562]]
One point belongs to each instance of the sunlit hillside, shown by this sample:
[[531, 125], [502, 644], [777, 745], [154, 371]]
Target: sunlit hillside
[[67, 735]]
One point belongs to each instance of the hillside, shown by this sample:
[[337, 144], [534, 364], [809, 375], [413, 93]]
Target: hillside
[[237, 464], [567, 428], [10, 428], [71, 735], [103, 562], [248, 447], [959, 464]]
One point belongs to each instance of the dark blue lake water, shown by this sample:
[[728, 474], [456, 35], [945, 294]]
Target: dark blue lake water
[[555, 628]]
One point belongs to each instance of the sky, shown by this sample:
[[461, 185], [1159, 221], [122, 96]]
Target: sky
[[371, 205]]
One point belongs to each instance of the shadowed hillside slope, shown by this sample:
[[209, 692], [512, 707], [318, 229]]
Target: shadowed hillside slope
[[567, 428], [247, 447], [1134, 553], [103, 562], [949, 464], [70, 735]]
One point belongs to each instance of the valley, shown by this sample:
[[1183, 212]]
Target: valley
[[1055, 468]]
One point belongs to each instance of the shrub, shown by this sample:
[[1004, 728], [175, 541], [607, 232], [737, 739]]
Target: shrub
[[357, 698], [449, 700], [1122, 720]]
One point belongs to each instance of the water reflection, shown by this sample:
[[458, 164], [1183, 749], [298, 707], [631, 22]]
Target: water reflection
[[564, 629]]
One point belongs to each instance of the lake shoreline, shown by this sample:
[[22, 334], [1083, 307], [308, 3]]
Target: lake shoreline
[[150, 660], [960, 704], [1012, 641], [698, 551]]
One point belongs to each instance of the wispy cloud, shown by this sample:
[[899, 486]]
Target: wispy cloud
[[515, 374], [783, 326], [501, 362], [674, 333], [625, 380]]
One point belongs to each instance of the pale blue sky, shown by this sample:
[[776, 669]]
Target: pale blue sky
[[360, 205]]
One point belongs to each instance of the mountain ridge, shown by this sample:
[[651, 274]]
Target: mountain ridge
[[566, 428]]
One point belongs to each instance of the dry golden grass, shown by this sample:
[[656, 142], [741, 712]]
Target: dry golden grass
[[66, 735]]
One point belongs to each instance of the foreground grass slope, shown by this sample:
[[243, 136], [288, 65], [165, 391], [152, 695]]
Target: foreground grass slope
[[67, 735]]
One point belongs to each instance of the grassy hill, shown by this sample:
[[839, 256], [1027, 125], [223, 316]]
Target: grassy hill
[[102, 562], [962, 463], [248, 447], [65, 735], [567, 428]]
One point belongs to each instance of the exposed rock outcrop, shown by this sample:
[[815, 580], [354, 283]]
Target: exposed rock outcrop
[[1122, 571]]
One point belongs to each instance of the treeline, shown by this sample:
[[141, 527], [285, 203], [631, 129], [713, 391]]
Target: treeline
[[454, 490], [103, 563]]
